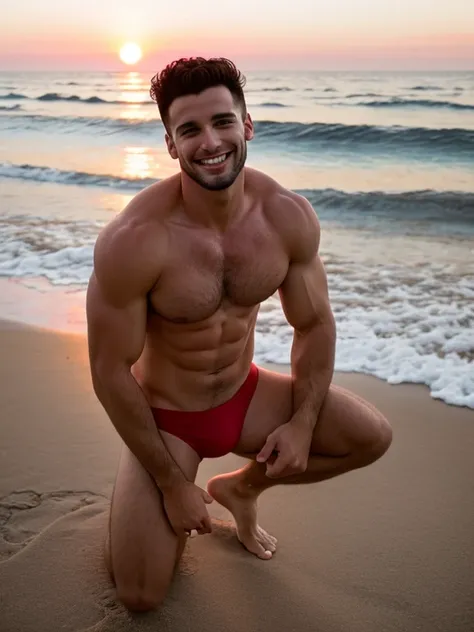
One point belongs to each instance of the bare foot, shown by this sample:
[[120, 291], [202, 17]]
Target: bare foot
[[242, 504]]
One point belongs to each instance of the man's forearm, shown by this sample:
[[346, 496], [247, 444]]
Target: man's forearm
[[312, 366], [130, 413]]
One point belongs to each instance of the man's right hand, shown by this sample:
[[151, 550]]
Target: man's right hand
[[185, 506]]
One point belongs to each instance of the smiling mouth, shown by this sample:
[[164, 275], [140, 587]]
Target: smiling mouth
[[211, 162]]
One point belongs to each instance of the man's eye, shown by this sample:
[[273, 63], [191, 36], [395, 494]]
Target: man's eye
[[224, 122], [190, 130]]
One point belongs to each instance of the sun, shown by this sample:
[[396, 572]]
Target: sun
[[130, 53]]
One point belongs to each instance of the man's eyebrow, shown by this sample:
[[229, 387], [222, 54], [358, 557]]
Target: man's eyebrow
[[222, 115]]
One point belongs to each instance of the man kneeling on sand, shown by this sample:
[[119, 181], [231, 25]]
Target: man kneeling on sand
[[172, 303]]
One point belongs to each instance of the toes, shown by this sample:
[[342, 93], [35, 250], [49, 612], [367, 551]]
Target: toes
[[267, 540], [265, 554], [268, 545], [257, 549]]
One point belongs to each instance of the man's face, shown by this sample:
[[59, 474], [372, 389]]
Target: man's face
[[208, 137]]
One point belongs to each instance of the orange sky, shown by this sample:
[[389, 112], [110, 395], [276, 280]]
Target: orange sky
[[342, 34]]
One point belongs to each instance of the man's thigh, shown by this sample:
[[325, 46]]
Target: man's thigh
[[271, 406], [143, 547], [345, 419]]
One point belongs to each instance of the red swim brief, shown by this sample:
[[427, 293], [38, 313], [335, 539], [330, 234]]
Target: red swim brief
[[214, 432]]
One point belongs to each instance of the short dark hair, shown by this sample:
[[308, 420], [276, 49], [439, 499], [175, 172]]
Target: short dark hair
[[193, 75]]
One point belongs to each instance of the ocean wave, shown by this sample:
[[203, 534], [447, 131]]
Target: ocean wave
[[363, 94], [70, 124], [397, 102], [55, 96], [423, 204], [10, 108], [13, 95], [434, 143], [77, 178], [423, 88], [272, 104], [276, 89], [94, 100], [457, 142]]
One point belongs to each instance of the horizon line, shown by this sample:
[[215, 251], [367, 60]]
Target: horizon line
[[263, 69]]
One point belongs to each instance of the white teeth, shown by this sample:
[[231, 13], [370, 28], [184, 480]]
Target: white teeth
[[214, 161]]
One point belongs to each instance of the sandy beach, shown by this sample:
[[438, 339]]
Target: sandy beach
[[387, 548]]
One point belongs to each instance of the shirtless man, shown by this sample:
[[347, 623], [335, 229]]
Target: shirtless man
[[178, 279]]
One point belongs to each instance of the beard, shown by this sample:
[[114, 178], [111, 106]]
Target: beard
[[218, 182]]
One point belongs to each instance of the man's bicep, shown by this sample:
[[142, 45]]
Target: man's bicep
[[116, 334], [304, 294]]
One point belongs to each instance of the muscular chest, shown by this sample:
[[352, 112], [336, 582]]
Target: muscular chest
[[244, 269]]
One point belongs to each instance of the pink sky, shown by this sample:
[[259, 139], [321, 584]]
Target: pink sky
[[312, 34]]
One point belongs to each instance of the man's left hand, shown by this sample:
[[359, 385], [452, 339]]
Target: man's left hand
[[291, 442]]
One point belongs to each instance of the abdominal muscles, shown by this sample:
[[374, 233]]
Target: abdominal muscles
[[197, 365]]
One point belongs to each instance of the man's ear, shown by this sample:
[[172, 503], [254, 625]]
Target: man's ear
[[248, 127], [171, 146]]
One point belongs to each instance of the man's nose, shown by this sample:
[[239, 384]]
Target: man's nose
[[210, 141]]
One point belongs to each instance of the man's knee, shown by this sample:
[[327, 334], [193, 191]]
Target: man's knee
[[138, 598], [371, 439], [379, 439], [141, 600]]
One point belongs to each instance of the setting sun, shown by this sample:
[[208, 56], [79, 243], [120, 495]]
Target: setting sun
[[130, 53]]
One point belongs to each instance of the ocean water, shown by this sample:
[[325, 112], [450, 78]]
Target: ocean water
[[386, 159]]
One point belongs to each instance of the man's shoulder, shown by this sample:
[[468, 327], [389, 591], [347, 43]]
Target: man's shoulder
[[263, 185], [131, 248], [276, 197], [143, 216], [289, 212], [152, 204]]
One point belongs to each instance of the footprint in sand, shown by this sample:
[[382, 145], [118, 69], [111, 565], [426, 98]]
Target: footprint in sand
[[24, 514]]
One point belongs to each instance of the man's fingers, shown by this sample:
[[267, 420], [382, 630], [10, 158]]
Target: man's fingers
[[204, 527], [276, 469], [267, 449]]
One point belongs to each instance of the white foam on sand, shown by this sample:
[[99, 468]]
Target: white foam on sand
[[428, 351], [402, 322], [58, 250]]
